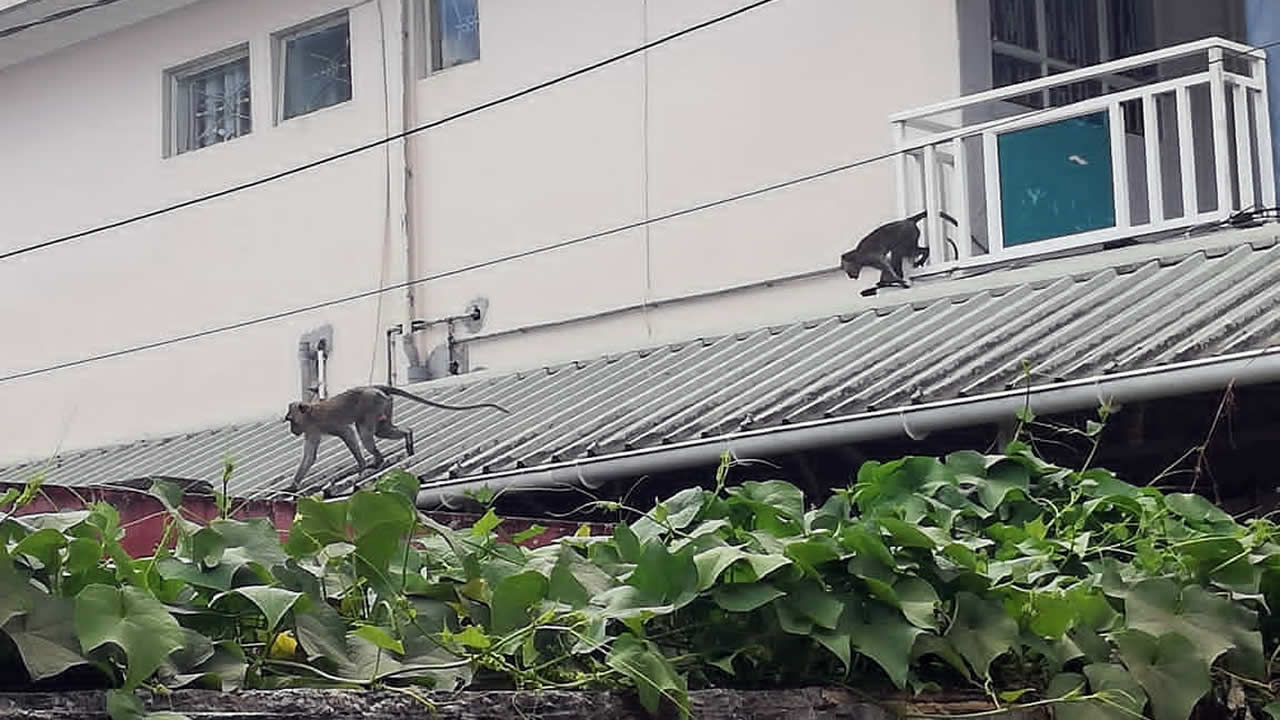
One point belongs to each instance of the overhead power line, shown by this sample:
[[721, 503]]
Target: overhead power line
[[55, 17], [448, 273], [383, 141], [498, 260]]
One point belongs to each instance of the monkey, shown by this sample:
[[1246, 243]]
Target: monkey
[[886, 247], [361, 411]]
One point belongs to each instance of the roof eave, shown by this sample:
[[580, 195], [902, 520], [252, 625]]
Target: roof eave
[[34, 28], [913, 421]]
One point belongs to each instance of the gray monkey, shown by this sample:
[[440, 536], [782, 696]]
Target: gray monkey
[[361, 411]]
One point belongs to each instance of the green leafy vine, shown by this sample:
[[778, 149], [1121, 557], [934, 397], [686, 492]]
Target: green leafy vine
[[1031, 583]]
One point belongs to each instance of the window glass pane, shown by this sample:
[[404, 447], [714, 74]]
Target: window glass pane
[[317, 70], [1071, 29], [1132, 27], [1075, 92], [1007, 70], [1014, 22], [213, 105], [455, 33]]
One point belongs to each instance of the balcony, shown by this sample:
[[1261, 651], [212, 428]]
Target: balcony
[[1150, 144]]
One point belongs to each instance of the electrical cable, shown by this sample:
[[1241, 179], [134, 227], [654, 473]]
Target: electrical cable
[[447, 273], [54, 17], [383, 141], [498, 260], [437, 123]]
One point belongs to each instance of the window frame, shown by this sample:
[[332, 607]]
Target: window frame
[[427, 40], [1049, 64], [176, 124], [280, 59]]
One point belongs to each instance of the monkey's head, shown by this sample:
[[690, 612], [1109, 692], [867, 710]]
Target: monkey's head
[[848, 264], [297, 416]]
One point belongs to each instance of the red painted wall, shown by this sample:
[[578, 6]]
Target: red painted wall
[[143, 517]]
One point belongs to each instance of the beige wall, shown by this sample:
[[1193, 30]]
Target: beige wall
[[785, 90], [794, 87], [81, 134]]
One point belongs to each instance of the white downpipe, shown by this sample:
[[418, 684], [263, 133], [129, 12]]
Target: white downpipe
[[1247, 368], [322, 370], [408, 117]]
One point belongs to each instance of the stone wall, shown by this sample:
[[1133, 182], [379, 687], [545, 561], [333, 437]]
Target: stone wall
[[806, 704]]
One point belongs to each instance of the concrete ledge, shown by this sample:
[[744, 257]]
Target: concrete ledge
[[802, 704]]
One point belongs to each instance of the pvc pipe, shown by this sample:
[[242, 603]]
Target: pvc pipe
[[913, 421]]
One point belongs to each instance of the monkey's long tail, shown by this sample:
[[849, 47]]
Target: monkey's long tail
[[920, 216], [397, 391]]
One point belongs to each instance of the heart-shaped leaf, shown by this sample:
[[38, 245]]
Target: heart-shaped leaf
[[274, 602], [46, 638], [380, 637], [745, 597], [131, 619], [654, 677], [513, 598], [982, 631], [1169, 668]]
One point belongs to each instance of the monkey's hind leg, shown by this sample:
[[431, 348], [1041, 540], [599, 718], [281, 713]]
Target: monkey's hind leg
[[389, 431], [366, 431], [890, 274]]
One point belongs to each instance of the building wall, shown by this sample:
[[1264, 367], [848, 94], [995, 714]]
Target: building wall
[[81, 134], [784, 90]]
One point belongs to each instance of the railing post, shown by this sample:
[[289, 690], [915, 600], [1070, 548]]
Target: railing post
[[1261, 18], [1218, 102], [1244, 158], [1262, 120], [1119, 164], [932, 204], [961, 196], [900, 166], [1187, 154], [1155, 175], [991, 179]]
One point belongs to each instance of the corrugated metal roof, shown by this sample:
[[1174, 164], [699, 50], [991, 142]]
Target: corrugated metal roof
[[1143, 315]]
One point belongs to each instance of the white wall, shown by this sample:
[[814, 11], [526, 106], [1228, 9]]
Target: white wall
[[779, 92], [793, 87], [81, 137]]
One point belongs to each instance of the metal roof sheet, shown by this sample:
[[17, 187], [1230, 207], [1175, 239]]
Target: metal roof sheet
[[1142, 315]]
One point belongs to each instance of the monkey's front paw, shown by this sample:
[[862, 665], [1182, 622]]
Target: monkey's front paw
[[869, 291]]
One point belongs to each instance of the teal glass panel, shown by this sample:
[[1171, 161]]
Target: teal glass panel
[[1056, 179]]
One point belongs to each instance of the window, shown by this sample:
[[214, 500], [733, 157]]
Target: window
[[453, 27], [314, 67], [1034, 38], [209, 101]]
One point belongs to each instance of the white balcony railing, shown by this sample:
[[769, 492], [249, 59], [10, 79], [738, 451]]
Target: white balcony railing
[[1189, 147]]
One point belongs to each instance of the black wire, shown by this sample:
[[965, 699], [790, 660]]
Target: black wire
[[383, 141], [54, 17], [448, 118], [505, 258], [445, 274]]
